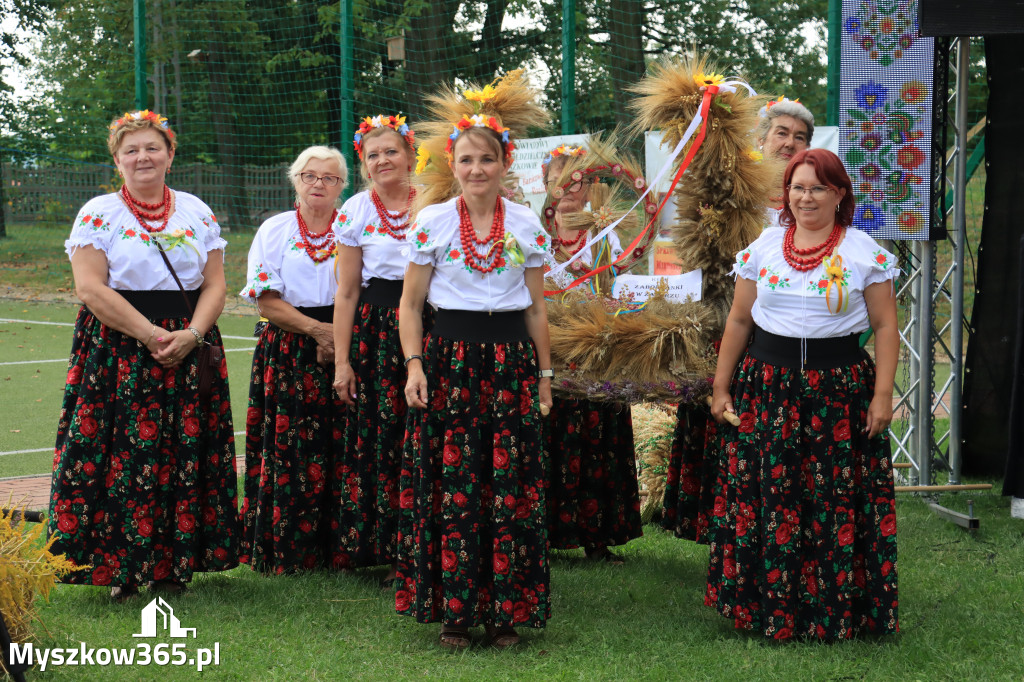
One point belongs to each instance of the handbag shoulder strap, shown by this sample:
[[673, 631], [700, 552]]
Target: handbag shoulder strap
[[167, 261]]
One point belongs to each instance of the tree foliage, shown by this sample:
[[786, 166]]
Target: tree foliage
[[281, 61]]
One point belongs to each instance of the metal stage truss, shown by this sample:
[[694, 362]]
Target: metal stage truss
[[920, 452]]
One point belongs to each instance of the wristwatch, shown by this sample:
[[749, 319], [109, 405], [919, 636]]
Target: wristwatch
[[549, 373]]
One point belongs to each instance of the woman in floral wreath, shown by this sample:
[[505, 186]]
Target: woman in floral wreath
[[369, 375], [144, 477], [593, 496], [803, 531], [473, 537], [295, 421]]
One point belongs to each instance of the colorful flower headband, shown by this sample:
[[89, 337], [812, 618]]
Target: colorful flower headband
[[396, 123], [782, 98], [152, 116], [560, 150], [479, 121]]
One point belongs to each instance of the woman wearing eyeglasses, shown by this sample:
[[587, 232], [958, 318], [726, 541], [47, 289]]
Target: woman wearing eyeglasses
[[803, 531], [295, 421], [593, 498], [369, 374]]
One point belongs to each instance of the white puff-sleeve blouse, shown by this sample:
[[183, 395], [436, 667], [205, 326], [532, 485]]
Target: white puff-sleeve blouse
[[278, 262], [359, 225], [435, 240], [793, 303], [133, 259]]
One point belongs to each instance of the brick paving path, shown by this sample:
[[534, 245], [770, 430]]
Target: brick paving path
[[33, 492]]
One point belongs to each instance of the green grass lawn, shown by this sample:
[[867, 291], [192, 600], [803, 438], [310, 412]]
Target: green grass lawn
[[961, 609], [30, 394]]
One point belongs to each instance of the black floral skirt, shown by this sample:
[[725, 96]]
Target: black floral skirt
[[473, 535], [370, 462], [293, 436], [690, 479], [144, 475], [593, 497], [802, 529]]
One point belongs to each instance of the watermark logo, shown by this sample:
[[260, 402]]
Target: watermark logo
[[157, 618], [159, 612]]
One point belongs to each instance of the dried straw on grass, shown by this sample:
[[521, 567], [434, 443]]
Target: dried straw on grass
[[653, 427], [27, 568]]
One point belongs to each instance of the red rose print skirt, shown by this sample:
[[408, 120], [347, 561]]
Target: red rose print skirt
[[803, 524], [593, 497], [293, 432], [370, 462], [473, 536], [690, 478], [143, 475]]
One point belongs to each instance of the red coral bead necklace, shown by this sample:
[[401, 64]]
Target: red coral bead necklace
[[803, 260], [469, 239], [316, 245], [144, 211], [386, 216]]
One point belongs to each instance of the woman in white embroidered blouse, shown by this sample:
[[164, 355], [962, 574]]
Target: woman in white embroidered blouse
[[144, 478], [472, 539], [803, 534], [593, 495], [294, 421], [368, 371]]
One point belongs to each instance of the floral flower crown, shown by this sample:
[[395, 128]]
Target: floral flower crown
[[145, 114], [480, 121], [561, 150], [782, 98], [396, 123]]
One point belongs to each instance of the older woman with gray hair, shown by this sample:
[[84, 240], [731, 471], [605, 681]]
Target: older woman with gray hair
[[786, 127], [295, 421]]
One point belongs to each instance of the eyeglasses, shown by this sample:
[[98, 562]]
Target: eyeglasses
[[817, 191], [328, 180], [574, 187]]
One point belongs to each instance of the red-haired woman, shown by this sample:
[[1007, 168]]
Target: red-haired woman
[[803, 532]]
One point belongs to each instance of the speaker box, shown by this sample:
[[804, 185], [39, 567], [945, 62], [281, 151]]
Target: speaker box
[[971, 17]]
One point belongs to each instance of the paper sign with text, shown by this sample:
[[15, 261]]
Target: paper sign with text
[[680, 287]]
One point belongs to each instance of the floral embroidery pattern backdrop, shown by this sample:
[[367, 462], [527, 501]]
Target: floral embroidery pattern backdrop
[[885, 109]]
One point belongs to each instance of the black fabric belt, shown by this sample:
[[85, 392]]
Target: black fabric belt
[[787, 351], [320, 313], [382, 292], [480, 327], [161, 303]]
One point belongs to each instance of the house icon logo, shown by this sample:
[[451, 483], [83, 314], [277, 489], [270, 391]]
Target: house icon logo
[[159, 612]]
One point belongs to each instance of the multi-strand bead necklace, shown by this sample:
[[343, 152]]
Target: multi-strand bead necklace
[[469, 239], [397, 231], [803, 260]]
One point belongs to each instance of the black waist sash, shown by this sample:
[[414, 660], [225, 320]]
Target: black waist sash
[[480, 327], [788, 351], [320, 313], [161, 303], [382, 292]]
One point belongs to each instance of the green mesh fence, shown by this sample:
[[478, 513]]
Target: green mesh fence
[[249, 84]]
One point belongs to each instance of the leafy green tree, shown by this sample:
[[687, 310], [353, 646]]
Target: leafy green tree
[[30, 15]]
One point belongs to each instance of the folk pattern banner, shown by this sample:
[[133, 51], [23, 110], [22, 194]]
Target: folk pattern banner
[[885, 110]]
